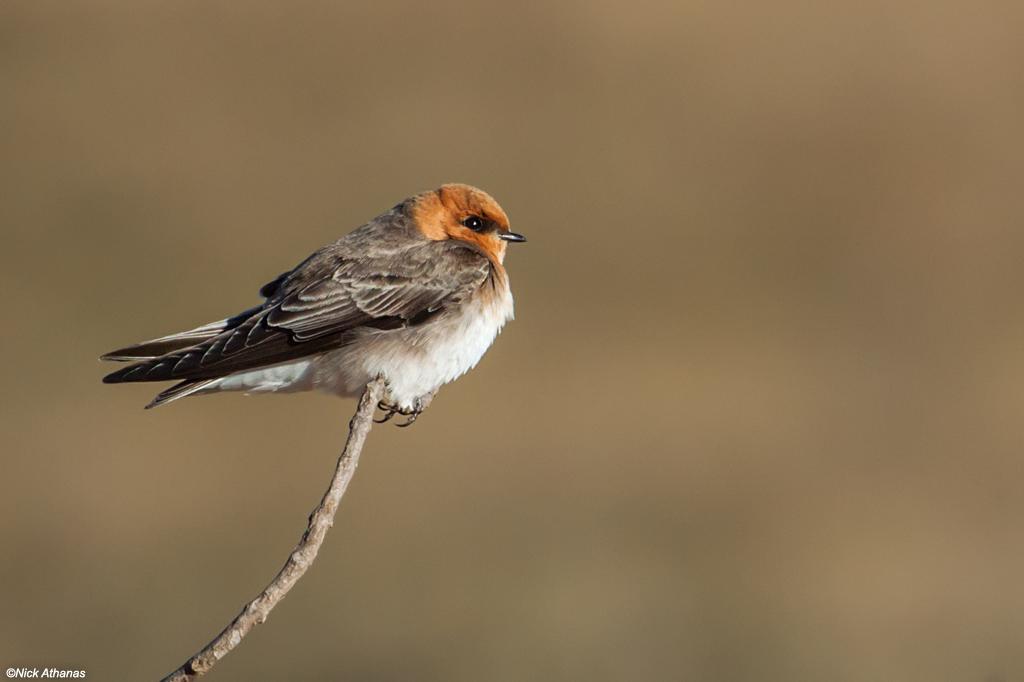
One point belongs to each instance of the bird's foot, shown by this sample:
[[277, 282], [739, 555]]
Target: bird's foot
[[413, 413], [390, 411]]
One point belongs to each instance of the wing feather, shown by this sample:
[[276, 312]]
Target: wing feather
[[321, 304]]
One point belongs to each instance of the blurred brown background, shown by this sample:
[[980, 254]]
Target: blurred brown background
[[760, 415]]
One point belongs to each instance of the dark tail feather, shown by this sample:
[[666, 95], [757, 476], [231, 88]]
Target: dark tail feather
[[136, 372], [180, 390], [140, 372], [157, 360], [149, 350]]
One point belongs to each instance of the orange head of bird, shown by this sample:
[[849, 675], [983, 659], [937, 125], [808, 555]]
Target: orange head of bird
[[467, 214]]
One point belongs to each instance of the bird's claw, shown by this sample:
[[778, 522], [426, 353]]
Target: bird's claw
[[388, 410], [391, 410]]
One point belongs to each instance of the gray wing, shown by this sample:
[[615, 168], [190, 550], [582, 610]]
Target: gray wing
[[320, 304]]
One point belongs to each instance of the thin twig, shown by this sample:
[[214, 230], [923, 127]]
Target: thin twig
[[302, 557]]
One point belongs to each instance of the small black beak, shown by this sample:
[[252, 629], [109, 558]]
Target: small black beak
[[511, 237]]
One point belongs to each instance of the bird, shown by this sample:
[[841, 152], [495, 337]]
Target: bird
[[415, 296]]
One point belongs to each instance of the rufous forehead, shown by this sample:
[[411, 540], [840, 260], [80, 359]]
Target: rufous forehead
[[463, 200], [439, 210]]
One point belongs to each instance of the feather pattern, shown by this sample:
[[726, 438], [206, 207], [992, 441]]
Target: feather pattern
[[147, 350], [383, 276]]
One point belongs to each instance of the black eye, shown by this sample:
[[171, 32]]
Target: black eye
[[473, 222]]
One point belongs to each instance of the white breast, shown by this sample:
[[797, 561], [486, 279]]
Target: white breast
[[419, 360], [415, 361]]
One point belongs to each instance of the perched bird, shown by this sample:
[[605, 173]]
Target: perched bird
[[416, 295]]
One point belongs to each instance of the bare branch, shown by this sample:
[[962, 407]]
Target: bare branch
[[302, 557]]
